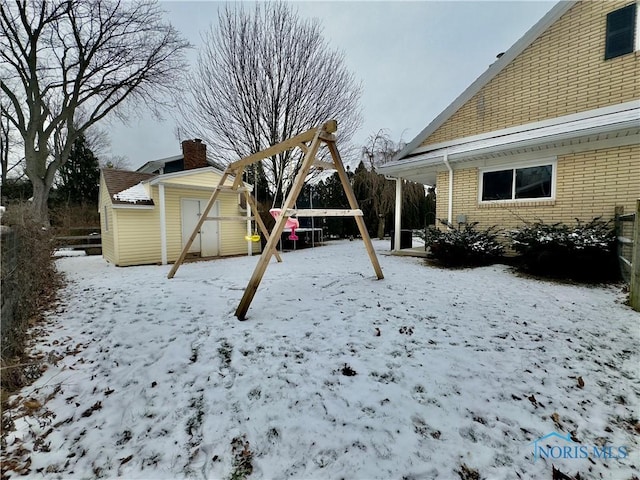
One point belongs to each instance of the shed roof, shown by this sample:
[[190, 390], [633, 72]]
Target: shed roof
[[120, 180]]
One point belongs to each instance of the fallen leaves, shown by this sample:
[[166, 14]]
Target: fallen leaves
[[347, 371], [406, 330], [556, 419], [93, 408], [32, 405]]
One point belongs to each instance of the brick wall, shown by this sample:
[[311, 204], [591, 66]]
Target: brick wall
[[589, 184], [195, 154], [561, 73]]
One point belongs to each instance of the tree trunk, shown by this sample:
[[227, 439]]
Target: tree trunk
[[381, 227], [39, 205]]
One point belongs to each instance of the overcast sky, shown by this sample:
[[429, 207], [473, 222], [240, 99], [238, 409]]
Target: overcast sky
[[413, 59]]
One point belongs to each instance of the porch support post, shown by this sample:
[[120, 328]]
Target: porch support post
[[163, 225], [450, 192], [398, 217]]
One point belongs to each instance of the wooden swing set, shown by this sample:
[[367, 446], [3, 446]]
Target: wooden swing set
[[309, 142]]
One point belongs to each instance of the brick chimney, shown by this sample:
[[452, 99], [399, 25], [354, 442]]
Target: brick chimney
[[194, 153]]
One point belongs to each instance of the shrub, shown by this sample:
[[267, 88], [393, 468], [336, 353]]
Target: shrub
[[585, 252], [29, 283], [465, 247]]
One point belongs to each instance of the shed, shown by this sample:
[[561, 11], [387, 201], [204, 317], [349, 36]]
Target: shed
[[146, 218]]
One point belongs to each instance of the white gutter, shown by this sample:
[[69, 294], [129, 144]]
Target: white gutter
[[526, 136], [163, 225], [445, 159], [132, 206], [615, 115]]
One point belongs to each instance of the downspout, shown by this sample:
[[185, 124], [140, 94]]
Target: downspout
[[163, 225], [450, 204]]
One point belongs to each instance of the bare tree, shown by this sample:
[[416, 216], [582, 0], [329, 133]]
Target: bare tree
[[5, 135], [262, 77], [380, 193], [65, 65], [10, 160], [117, 162]]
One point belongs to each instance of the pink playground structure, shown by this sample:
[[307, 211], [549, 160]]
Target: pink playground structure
[[292, 223]]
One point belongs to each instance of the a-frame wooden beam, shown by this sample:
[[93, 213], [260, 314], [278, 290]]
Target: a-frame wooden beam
[[328, 127], [307, 163], [276, 233], [316, 136], [353, 203]]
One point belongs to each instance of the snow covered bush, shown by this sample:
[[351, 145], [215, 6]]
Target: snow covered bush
[[582, 252], [464, 247]]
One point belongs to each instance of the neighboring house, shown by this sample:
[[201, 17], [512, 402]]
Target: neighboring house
[[551, 131], [147, 216]]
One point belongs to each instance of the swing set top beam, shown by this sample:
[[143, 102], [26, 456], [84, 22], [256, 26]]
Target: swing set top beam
[[323, 212], [328, 127]]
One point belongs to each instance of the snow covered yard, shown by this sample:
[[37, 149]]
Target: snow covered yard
[[155, 378]]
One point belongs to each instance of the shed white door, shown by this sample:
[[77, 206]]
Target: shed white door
[[207, 240]]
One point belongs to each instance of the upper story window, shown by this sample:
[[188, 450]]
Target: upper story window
[[530, 182], [621, 32]]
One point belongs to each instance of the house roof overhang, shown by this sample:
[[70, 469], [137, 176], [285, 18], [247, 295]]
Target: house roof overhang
[[568, 133], [494, 69], [154, 165]]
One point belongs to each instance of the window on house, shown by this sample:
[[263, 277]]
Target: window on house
[[519, 183], [621, 30]]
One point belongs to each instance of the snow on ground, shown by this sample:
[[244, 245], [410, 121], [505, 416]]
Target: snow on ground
[[155, 378]]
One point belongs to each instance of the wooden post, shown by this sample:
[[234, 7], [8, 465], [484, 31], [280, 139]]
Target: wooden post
[[634, 289], [201, 220], [354, 205], [261, 267]]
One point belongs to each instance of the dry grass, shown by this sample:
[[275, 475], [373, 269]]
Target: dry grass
[[34, 282]]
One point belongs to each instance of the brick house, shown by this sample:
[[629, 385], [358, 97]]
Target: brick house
[[550, 131]]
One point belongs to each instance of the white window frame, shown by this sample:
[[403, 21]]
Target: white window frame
[[553, 161]]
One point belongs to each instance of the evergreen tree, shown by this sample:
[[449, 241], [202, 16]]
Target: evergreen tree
[[80, 176]]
